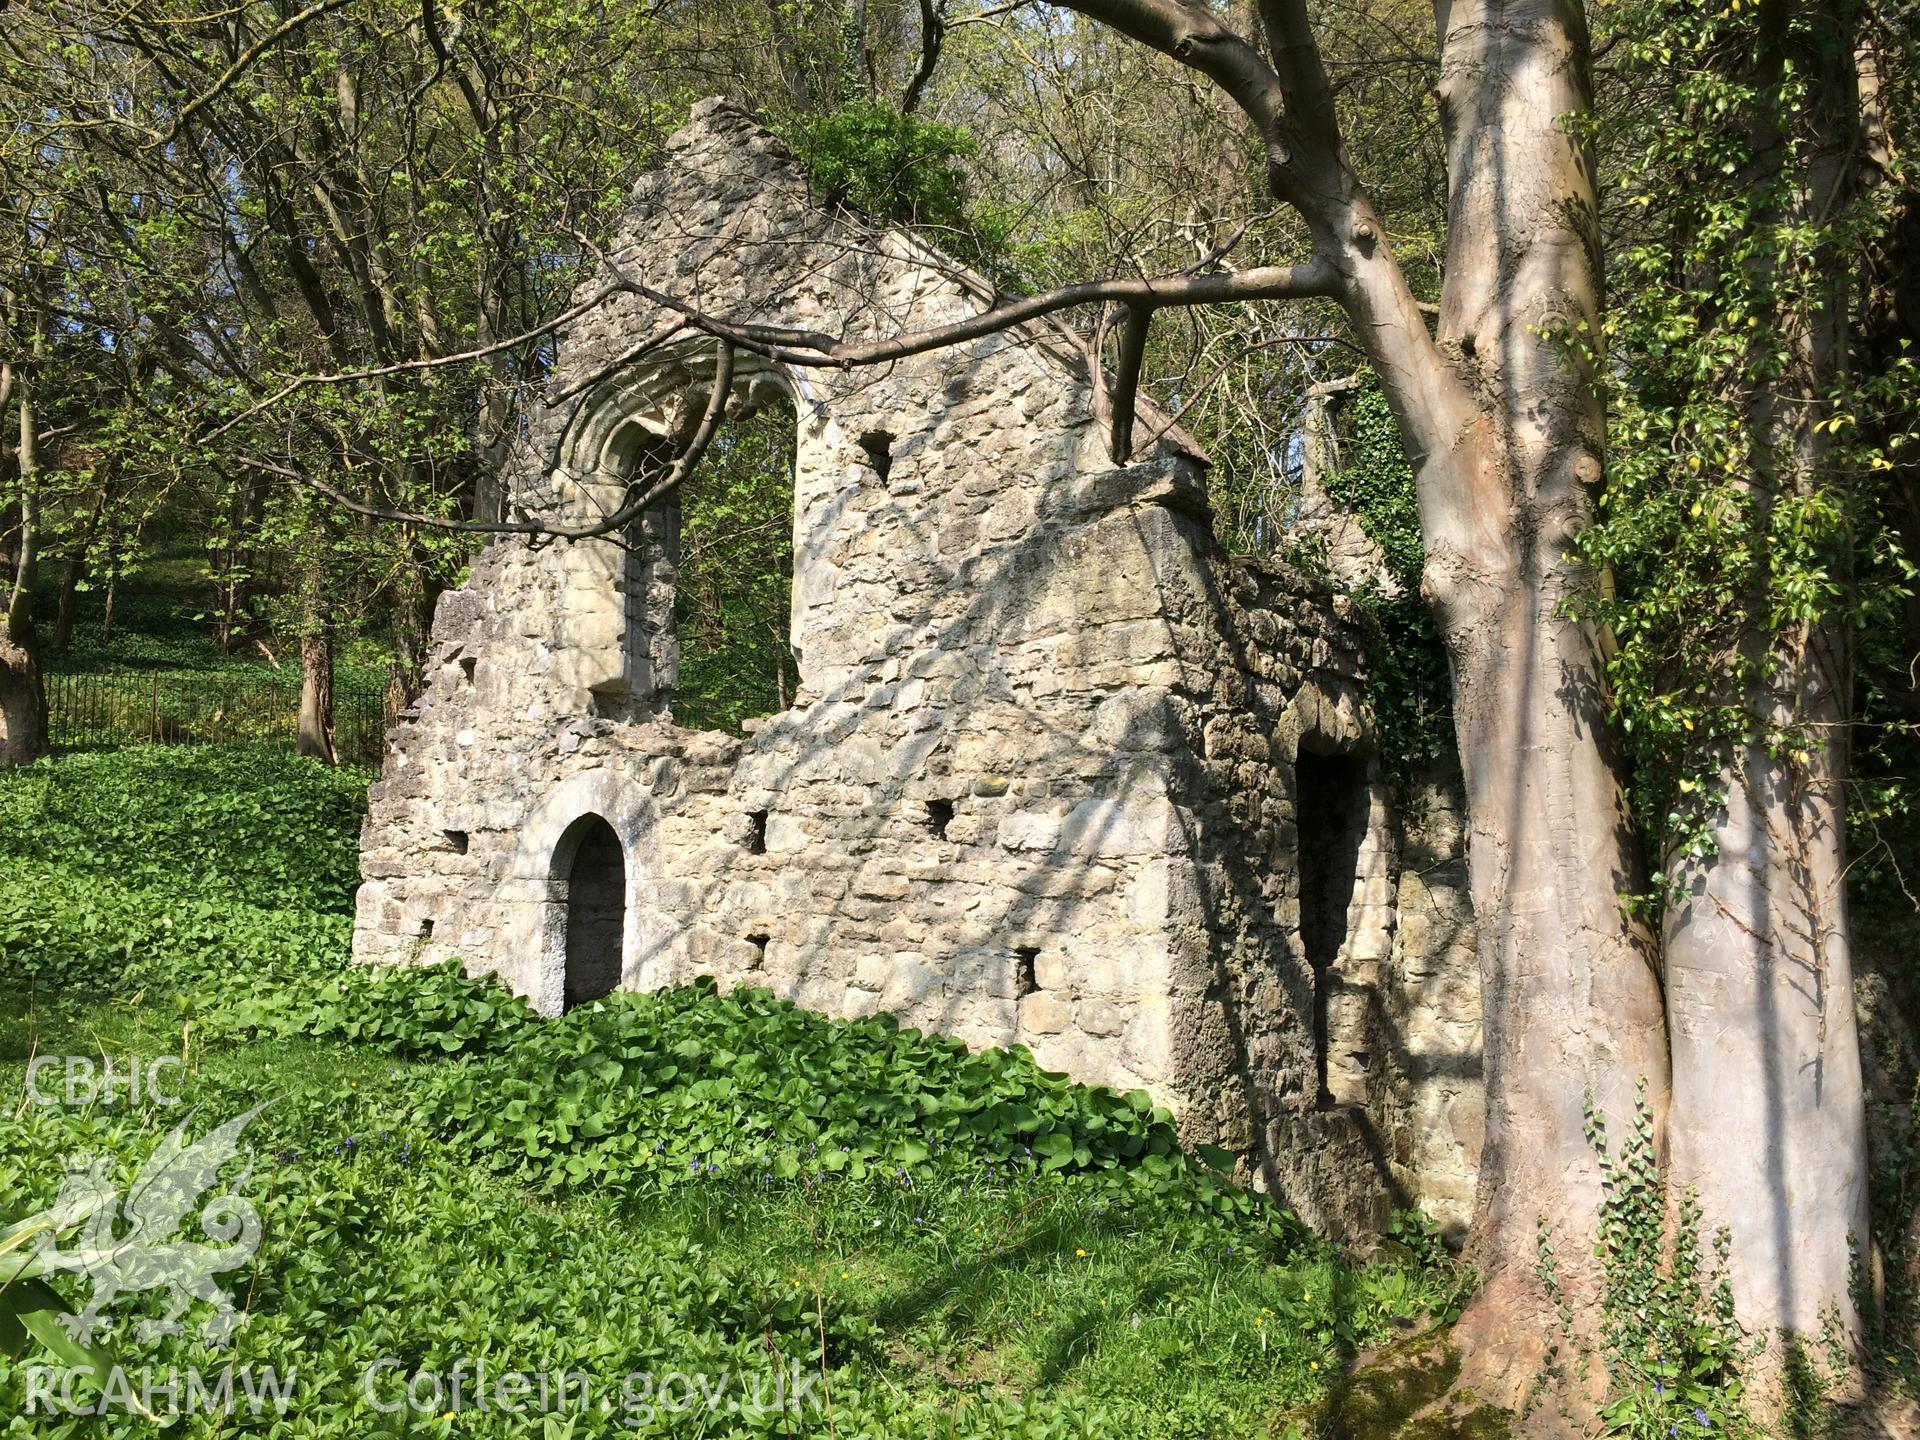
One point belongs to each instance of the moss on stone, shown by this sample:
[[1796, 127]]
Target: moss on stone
[[1406, 1393]]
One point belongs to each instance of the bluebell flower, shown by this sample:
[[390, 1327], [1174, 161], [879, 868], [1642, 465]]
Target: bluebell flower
[[1701, 1416]]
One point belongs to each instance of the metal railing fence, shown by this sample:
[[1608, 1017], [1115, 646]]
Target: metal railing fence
[[184, 707]]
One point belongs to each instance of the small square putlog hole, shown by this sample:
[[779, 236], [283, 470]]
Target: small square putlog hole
[[426, 929], [879, 447], [456, 841], [756, 841], [1025, 957], [759, 944], [939, 817]]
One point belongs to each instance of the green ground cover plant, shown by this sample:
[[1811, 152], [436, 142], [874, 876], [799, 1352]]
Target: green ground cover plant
[[925, 1241]]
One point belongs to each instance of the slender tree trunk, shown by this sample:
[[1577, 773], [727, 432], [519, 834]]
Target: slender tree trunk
[[71, 574], [107, 606], [237, 562], [315, 734], [67, 611], [411, 601], [1770, 1125], [491, 428], [23, 690], [9, 507], [790, 51]]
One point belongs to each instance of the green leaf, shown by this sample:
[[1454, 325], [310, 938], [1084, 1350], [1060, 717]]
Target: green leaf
[[37, 1308]]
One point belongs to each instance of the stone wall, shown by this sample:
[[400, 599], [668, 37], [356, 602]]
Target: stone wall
[[1037, 786], [1431, 1095]]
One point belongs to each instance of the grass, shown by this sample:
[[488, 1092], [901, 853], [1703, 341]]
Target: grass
[[925, 1242]]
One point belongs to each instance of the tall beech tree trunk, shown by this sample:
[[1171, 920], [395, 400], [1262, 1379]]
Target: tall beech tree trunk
[[1569, 983], [1504, 430], [1769, 1110], [1505, 433], [23, 690]]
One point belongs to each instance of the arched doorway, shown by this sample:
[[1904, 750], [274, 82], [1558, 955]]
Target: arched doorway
[[594, 866], [1332, 806]]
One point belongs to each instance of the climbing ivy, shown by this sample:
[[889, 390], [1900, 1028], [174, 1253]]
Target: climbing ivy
[[1412, 692], [1673, 1352], [1720, 530], [901, 170]]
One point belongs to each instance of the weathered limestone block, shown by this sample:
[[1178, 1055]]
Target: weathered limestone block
[[1435, 1099]]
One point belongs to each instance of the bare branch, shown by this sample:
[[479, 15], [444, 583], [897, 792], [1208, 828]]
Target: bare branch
[[1325, 388], [693, 445], [1126, 390], [347, 377], [810, 348], [1219, 372], [1196, 37], [239, 66]]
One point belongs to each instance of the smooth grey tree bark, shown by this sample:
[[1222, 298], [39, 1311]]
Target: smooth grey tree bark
[[314, 731], [1769, 1111]]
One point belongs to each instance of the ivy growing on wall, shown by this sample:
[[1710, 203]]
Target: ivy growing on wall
[[901, 170], [1412, 692]]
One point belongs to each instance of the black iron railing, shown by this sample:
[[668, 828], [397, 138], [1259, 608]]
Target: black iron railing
[[184, 707]]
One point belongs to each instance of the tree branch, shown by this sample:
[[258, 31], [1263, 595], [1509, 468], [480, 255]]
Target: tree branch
[[1296, 56], [693, 445], [1192, 34], [933, 31], [1318, 277], [239, 66], [347, 377], [1126, 390]]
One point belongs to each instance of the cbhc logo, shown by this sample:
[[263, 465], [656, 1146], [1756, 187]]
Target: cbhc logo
[[83, 1081]]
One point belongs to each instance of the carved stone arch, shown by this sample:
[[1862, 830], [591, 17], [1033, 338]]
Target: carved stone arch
[[543, 867], [615, 640]]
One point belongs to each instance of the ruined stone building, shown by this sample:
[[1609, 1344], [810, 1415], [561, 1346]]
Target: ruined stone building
[[1058, 773]]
